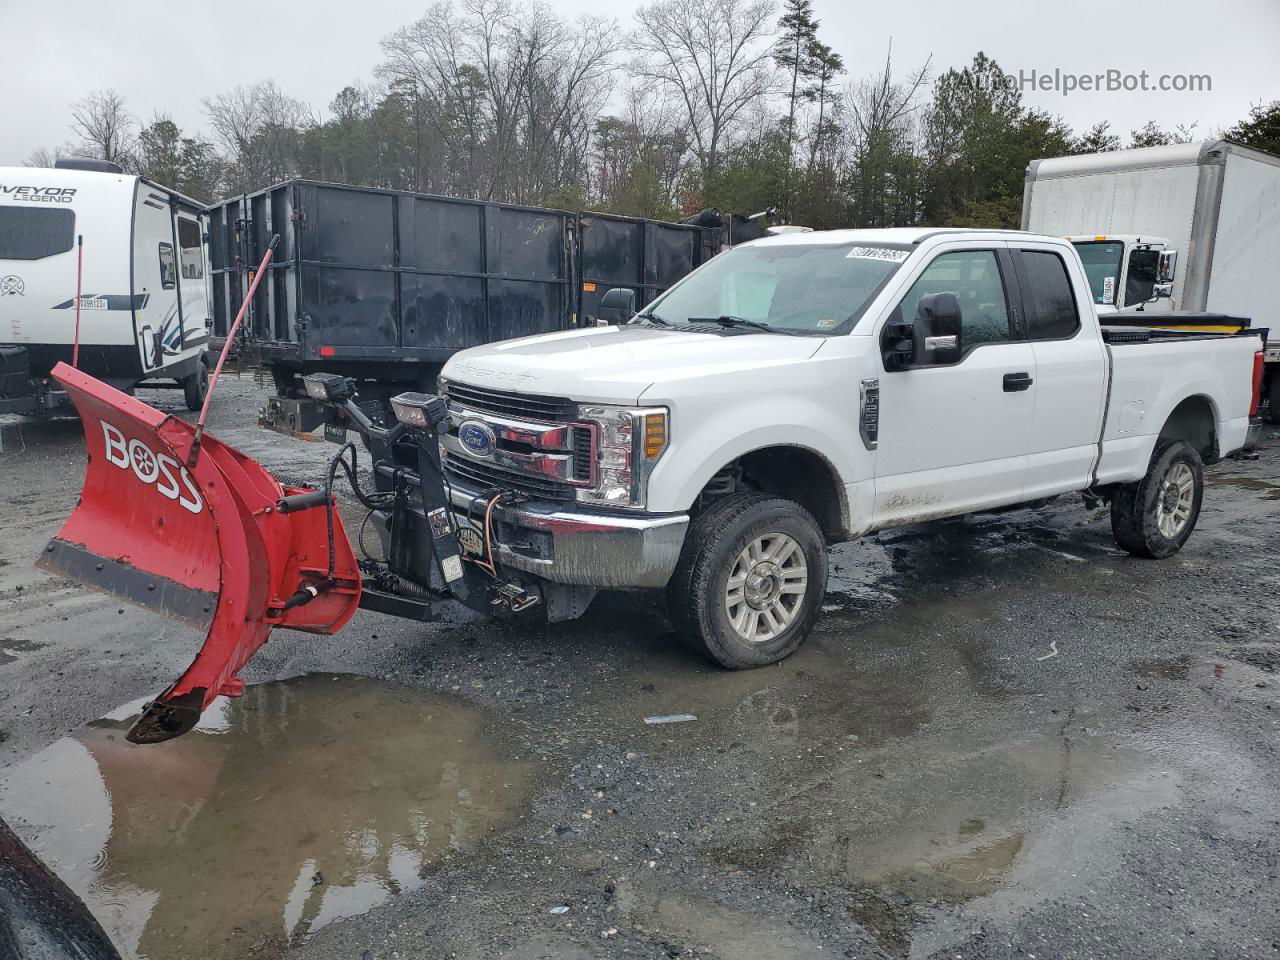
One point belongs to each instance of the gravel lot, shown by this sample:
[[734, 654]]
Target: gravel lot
[[1005, 738]]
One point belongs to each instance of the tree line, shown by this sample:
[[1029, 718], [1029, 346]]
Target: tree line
[[732, 104]]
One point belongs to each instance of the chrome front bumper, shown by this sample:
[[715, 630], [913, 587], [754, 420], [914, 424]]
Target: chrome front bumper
[[582, 549]]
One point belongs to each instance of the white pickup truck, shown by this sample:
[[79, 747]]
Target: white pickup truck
[[808, 389]]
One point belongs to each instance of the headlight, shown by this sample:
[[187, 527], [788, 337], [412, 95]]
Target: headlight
[[629, 442]]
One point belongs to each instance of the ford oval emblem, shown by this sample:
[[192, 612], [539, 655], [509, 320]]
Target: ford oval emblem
[[477, 438]]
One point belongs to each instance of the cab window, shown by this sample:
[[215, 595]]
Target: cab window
[[1051, 306], [974, 277]]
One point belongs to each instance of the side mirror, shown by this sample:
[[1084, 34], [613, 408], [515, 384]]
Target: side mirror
[[1162, 291], [1167, 267], [935, 334], [618, 305]]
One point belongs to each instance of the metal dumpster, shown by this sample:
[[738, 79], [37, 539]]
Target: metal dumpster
[[385, 285]]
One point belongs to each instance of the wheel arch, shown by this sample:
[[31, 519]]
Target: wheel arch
[[788, 471], [1194, 419]]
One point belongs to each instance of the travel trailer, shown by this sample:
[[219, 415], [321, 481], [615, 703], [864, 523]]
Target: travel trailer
[[135, 252]]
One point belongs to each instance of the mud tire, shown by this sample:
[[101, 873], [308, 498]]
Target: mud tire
[[1135, 507], [195, 386], [697, 591]]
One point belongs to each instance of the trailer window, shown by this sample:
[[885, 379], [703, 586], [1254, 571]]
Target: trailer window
[[33, 233], [168, 272], [1052, 307], [190, 253], [1102, 267]]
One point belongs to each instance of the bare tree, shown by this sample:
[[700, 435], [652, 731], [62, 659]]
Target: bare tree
[[258, 128], [714, 57], [105, 127], [510, 94], [44, 157]]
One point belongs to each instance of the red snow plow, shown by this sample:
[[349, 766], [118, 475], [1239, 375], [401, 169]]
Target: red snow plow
[[178, 522], [205, 536]]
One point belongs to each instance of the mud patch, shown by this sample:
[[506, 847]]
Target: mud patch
[[1168, 668], [11, 647], [302, 803]]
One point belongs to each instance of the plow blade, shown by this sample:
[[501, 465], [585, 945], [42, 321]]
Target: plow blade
[[202, 539]]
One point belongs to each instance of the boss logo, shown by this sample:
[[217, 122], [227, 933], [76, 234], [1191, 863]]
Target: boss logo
[[169, 476]]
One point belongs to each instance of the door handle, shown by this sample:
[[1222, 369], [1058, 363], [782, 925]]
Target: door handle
[[1017, 382]]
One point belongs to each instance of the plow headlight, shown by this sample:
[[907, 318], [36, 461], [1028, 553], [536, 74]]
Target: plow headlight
[[328, 387], [630, 442], [422, 411]]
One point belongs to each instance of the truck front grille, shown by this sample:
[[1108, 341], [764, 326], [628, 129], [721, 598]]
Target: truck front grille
[[521, 406], [487, 476]]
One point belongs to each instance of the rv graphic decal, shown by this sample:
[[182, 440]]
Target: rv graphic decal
[[39, 194], [106, 301], [12, 286]]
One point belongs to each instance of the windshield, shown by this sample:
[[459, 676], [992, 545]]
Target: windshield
[[1102, 267], [792, 288]]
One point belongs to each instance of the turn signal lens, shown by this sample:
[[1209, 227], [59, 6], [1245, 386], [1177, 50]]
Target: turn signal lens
[[655, 435]]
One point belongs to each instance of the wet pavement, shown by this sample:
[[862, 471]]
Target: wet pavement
[[1005, 738]]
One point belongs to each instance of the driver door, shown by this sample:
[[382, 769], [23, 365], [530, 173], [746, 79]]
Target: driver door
[[954, 436]]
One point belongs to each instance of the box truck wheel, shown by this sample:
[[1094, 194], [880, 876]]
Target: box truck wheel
[[196, 385], [750, 580], [1273, 399], [1155, 516]]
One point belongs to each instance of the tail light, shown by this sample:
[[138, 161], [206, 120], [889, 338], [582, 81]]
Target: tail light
[[1258, 359]]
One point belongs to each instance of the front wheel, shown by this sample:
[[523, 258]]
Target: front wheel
[[750, 581], [1154, 517], [195, 386]]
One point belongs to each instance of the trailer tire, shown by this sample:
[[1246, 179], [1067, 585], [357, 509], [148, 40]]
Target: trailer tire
[[1154, 517], [777, 551], [195, 386], [1273, 399]]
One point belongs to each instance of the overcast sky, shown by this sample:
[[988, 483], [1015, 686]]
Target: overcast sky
[[170, 56]]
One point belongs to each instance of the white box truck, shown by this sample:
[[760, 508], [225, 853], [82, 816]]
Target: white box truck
[[143, 291], [1214, 204]]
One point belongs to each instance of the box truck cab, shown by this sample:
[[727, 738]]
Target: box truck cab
[[136, 253], [1127, 270]]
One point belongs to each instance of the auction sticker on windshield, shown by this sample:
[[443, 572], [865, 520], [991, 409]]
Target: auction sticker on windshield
[[878, 253]]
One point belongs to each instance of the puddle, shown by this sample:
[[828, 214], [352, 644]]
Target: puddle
[[301, 803], [1267, 488]]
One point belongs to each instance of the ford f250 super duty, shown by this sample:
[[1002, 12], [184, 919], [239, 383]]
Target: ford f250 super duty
[[793, 392], [808, 389]]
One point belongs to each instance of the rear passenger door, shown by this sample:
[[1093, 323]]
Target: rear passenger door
[[1070, 387], [953, 436]]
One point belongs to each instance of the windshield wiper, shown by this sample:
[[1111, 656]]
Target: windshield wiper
[[726, 320], [652, 318]]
